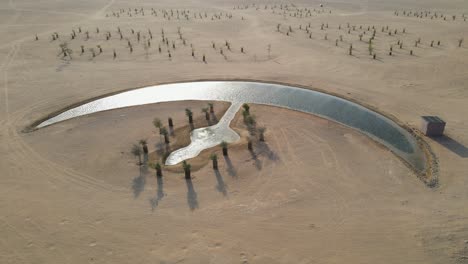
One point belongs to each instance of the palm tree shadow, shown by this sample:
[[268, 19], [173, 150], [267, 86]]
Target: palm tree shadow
[[167, 148], [257, 162], [214, 117], [221, 187], [159, 194], [265, 149], [452, 145], [191, 195], [144, 168], [230, 169], [138, 184], [160, 146]]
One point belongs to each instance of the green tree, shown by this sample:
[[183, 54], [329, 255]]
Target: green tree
[[165, 134], [65, 50], [207, 114], [144, 145], [224, 146], [189, 114], [170, 122], [214, 159], [157, 124], [246, 108], [187, 169], [158, 169]]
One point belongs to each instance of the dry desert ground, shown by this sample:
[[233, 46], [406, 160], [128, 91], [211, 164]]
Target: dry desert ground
[[314, 192]]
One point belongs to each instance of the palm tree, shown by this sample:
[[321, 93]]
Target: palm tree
[[157, 124], [187, 168], [144, 144], [245, 114], [136, 151], [92, 52], [250, 120], [249, 144], [246, 108], [165, 134], [158, 169], [207, 114], [65, 50], [170, 123], [189, 114], [261, 133], [214, 158], [224, 145], [211, 106]]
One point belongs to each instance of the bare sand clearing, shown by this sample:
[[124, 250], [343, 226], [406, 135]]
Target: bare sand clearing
[[317, 192]]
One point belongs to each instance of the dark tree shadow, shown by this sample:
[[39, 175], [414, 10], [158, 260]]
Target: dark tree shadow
[[144, 168], [452, 145], [167, 148], [159, 194], [209, 122], [230, 169], [145, 158], [191, 195], [263, 148], [138, 184], [214, 117], [192, 126], [257, 162], [221, 187], [159, 146], [171, 131]]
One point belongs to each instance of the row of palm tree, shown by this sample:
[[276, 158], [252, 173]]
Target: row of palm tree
[[163, 130], [372, 31], [206, 110], [136, 150], [250, 122], [142, 147]]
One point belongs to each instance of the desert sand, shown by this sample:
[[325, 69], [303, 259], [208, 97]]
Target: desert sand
[[315, 192]]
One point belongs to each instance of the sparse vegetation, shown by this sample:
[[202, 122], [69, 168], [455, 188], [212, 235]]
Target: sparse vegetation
[[207, 114], [261, 133], [136, 151], [214, 159], [144, 145], [189, 114], [224, 146], [187, 169]]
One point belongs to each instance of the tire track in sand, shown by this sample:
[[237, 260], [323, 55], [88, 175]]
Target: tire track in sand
[[23, 155]]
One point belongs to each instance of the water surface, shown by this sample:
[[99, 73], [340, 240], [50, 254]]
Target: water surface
[[378, 127]]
